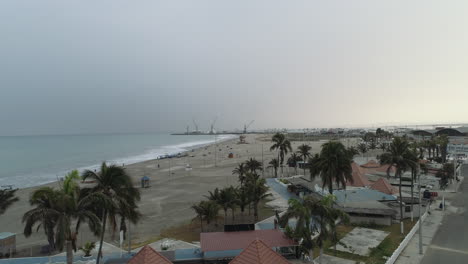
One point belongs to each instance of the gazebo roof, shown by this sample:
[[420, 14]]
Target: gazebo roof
[[259, 253]]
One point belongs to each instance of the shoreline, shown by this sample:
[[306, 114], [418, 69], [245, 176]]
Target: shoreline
[[131, 160]]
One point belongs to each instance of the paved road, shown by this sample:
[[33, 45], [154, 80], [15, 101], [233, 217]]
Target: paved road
[[450, 244]]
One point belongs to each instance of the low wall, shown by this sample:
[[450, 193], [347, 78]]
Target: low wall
[[386, 221], [405, 241]]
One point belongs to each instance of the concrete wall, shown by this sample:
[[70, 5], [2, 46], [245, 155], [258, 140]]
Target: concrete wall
[[387, 220]]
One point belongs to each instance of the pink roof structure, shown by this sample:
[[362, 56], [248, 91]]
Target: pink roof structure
[[148, 255], [371, 164], [382, 185], [259, 253], [359, 179], [220, 241]]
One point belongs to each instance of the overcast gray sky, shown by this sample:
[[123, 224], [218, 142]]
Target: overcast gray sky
[[140, 66]]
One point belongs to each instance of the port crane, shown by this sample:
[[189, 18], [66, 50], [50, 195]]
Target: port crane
[[212, 125], [246, 126], [195, 124]]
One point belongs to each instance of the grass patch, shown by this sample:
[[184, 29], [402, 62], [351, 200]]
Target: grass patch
[[378, 254]]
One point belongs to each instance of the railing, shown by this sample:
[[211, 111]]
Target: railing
[[407, 239]]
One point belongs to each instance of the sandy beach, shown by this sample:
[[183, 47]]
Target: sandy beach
[[173, 189]]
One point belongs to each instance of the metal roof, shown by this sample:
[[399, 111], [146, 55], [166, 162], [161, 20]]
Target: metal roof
[[4, 235], [219, 241], [370, 207], [259, 253], [361, 195]]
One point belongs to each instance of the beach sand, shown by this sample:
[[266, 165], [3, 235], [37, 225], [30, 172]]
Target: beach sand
[[173, 189]]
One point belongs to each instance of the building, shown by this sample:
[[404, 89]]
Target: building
[[7, 243], [219, 246], [369, 212]]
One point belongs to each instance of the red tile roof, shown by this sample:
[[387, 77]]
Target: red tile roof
[[359, 179], [219, 241], [148, 255], [259, 253], [382, 185]]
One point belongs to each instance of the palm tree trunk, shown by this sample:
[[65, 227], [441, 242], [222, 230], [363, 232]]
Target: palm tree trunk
[[256, 211], [304, 164], [201, 223], [68, 245], [401, 204], [321, 254], [103, 231], [50, 237]]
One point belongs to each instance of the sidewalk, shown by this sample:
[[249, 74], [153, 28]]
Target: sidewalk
[[429, 228]]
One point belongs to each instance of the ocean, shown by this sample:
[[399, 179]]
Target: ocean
[[27, 161]]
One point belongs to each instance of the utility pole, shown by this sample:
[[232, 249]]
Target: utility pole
[[216, 151], [420, 207], [263, 165], [129, 238]]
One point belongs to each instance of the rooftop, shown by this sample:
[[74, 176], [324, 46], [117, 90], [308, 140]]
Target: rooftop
[[221, 241], [361, 195], [148, 255], [259, 253]]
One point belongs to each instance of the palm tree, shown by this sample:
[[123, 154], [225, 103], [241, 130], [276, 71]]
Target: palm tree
[[283, 146], [443, 142], [7, 198], [243, 198], [257, 191], [400, 157], [228, 200], [304, 152], [332, 165], [44, 200], [116, 184], [274, 163], [65, 209], [206, 211], [293, 160], [214, 195], [352, 151], [362, 147], [327, 218], [253, 165], [240, 170], [303, 230]]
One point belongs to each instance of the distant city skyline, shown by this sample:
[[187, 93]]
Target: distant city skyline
[[153, 66]]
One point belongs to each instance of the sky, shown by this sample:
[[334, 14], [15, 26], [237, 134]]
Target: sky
[[71, 67]]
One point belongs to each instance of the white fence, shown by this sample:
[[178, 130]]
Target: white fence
[[405, 241]]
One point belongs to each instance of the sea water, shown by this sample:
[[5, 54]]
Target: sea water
[[27, 161]]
